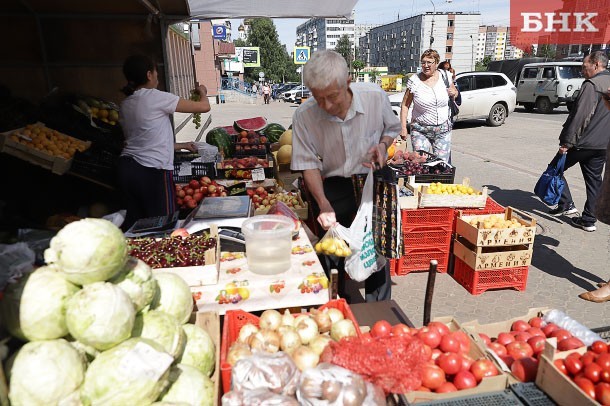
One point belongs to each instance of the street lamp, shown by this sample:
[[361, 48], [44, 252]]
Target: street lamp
[[471, 53]]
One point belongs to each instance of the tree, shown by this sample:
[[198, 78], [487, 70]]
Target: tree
[[374, 73], [482, 65], [546, 51], [358, 65], [344, 47]]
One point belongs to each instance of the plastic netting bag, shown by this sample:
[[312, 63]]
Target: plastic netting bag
[[333, 244], [257, 397], [275, 372], [15, 261]]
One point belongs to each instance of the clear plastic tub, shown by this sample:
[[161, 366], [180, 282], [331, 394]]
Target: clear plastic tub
[[268, 243]]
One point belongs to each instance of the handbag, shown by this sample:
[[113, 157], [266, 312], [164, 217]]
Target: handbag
[[551, 183], [454, 110]]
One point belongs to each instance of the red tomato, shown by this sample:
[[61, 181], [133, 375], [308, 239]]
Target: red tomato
[[446, 388], [435, 354], [381, 328], [586, 386], [593, 372], [573, 365], [535, 322], [427, 352], [603, 360], [449, 343], [561, 366], [508, 360], [588, 358], [430, 336], [523, 336], [525, 369], [401, 330], [519, 349], [605, 376], [432, 376], [464, 380], [466, 362], [464, 341], [485, 338], [520, 325], [549, 328], [441, 327], [602, 393], [423, 389], [450, 362], [498, 348], [570, 343], [482, 368], [599, 347], [561, 334], [536, 331], [505, 338], [537, 343]]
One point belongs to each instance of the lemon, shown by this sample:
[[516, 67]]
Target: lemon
[[318, 247], [339, 252]]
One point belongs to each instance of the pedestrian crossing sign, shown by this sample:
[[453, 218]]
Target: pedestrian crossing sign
[[301, 55]]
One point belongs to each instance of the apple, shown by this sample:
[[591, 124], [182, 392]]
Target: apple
[[223, 194], [191, 204], [198, 197], [180, 232], [212, 188], [206, 180], [181, 193], [188, 198], [194, 184]]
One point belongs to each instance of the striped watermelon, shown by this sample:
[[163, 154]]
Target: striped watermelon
[[273, 132], [250, 124], [220, 137]]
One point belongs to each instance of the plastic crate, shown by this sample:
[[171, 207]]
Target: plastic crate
[[418, 260], [531, 395], [426, 236], [234, 320], [180, 156], [198, 169], [477, 282], [500, 398], [440, 217], [97, 164], [259, 151]]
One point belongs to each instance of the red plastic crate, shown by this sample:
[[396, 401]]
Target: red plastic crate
[[418, 260], [426, 236], [491, 207], [427, 217], [235, 319], [477, 282]]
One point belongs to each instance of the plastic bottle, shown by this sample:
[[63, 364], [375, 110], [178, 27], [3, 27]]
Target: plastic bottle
[[566, 322]]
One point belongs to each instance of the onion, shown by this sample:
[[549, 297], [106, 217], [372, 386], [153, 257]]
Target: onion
[[354, 394], [238, 351], [287, 319], [334, 314], [319, 343], [290, 341], [265, 340], [322, 319], [331, 390], [300, 318], [342, 328], [310, 388], [284, 329], [307, 329], [304, 358], [246, 331], [270, 319]]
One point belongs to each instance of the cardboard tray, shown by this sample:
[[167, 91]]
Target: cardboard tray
[[303, 212], [210, 322], [497, 236], [408, 202], [481, 258], [434, 200]]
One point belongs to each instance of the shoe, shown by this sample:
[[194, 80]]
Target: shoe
[[601, 284], [580, 223], [588, 296], [562, 211]]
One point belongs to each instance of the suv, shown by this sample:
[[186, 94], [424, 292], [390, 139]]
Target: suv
[[284, 87], [489, 95], [295, 94]]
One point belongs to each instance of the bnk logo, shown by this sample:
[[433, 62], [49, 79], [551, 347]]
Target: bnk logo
[[559, 22]]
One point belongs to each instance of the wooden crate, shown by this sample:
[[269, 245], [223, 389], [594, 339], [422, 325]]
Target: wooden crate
[[210, 322], [480, 236], [408, 202], [303, 212], [436, 200], [479, 258]]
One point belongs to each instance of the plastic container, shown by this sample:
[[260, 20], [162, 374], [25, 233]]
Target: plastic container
[[268, 243], [578, 330]]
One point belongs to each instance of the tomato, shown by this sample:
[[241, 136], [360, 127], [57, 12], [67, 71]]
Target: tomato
[[498, 348], [423, 389], [536, 331], [602, 393], [561, 334], [381, 328], [549, 328], [519, 349], [482, 368], [441, 327], [432, 376], [573, 365], [430, 336], [464, 380], [485, 338], [603, 360], [525, 369], [586, 386], [466, 362], [570, 343], [508, 360], [427, 352], [599, 347], [537, 343], [605, 376], [593, 372], [523, 336], [401, 330], [535, 322], [561, 366], [450, 363], [449, 343], [588, 358], [446, 388], [435, 354], [520, 325], [464, 341], [505, 338]]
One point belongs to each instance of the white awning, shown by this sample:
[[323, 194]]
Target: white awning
[[270, 8]]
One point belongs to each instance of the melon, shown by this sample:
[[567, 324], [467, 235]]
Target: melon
[[250, 124], [286, 138], [273, 132], [284, 155], [220, 137]]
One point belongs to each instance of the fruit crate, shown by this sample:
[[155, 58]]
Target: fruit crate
[[197, 170], [234, 320], [425, 236], [428, 200], [441, 217], [418, 260], [492, 257], [251, 149], [498, 398], [477, 282], [98, 164], [488, 237], [491, 207]]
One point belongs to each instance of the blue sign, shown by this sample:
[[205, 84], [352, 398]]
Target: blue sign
[[301, 55], [219, 32]]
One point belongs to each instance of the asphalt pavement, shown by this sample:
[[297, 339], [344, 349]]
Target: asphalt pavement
[[508, 160]]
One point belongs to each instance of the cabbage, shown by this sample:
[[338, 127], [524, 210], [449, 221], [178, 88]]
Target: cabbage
[[190, 386], [34, 308], [86, 351], [136, 279], [200, 351], [88, 251], [100, 315], [163, 329], [134, 372], [173, 297], [45, 373]]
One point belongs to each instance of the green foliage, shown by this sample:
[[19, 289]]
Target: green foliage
[[482, 65], [344, 47], [546, 51], [358, 65]]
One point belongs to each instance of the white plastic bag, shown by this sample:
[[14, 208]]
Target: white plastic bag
[[364, 261]]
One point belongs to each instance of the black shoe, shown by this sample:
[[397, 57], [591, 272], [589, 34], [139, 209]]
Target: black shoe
[[563, 211], [580, 223]]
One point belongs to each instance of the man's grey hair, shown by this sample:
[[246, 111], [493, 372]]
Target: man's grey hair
[[599, 56], [324, 69]]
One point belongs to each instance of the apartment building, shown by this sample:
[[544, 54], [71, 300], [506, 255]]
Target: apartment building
[[495, 43], [324, 33]]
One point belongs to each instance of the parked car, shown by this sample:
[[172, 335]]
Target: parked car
[[296, 93], [284, 87], [489, 95]]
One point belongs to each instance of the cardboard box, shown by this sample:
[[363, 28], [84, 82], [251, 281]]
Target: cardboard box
[[302, 212], [481, 258], [408, 202], [480, 236], [436, 200], [210, 322]]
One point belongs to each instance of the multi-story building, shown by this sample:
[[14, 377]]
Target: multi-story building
[[495, 43], [361, 31], [399, 45], [324, 33]]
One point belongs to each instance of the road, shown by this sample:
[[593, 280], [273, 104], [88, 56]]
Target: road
[[508, 160]]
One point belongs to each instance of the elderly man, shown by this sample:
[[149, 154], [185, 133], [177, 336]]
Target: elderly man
[[584, 139], [345, 126]]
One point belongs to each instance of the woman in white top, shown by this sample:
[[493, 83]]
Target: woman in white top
[[430, 119], [147, 160]]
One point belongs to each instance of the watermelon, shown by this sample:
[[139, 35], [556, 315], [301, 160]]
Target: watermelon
[[273, 132], [223, 140], [250, 124], [229, 129]]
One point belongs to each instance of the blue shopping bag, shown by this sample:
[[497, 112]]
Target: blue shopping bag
[[551, 183]]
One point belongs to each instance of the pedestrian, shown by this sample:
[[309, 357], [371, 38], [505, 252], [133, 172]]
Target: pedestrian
[[254, 89], [333, 132], [446, 66], [147, 161], [430, 119], [584, 138], [266, 92]]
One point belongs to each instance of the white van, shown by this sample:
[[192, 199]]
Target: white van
[[548, 85]]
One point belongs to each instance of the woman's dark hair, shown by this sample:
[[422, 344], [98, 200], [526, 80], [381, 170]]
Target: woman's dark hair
[[135, 69]]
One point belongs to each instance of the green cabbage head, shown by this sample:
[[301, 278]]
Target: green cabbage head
[[45, 373], [163, 329], [173, 297], [35, 307], [88, 251], [137, 280], [190, 386], [200, 351], [100, 315]]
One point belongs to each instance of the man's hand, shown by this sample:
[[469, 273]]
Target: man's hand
[[191, 146], [202, 90], [563, 149], [327, 217], [377, 155]]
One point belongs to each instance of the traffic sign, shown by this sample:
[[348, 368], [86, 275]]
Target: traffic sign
[[301, 55]]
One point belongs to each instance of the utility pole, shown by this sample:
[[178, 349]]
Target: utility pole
[[471, 53], [432, 29]]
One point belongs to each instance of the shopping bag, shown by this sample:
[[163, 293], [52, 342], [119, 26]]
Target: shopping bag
[[364, 260], [386, 214], [551, 183], [332, 244], [454, 109]]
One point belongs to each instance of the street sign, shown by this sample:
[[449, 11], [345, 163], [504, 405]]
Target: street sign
[[250, 56], [301, 55], [219, 32], [261, 74]]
